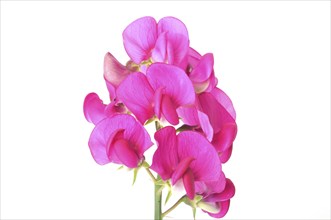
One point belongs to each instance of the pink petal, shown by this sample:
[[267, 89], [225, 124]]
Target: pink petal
[[172, 25], [217, 114], [212, 187], [140, 38], [158, 101], [165, 158], [225, 156], [181, 168], [205, 125], [225, 101], [169, 111], [224, 208], [114, 71], [193, 58], [177, 49], [125, 153], [188, 180], [189, 115], [94, 109], [206, 166], [204, 69], [177, 39], [175, 82], [137, 95], [224, 139], [160, 50], [228, 192]]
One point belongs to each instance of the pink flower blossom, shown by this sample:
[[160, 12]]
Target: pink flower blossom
[[95, 110], [160, 92], [119, 139], [187, 156], [201, 71], [166, 41], [218, 202], [215, 115]]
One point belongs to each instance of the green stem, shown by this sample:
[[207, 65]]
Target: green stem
[[150, 174], [158, 201], [174, 206]]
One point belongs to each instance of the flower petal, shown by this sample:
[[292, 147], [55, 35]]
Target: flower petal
[[204, 68], [169, 111], [217, 114], [114, 71], [175, 82], [189, 115], [125, 153], [94, 109], [225, 156], [224, 139], [177, 39], [137, 95], [140, 38], [165, 158], [160, 50], [224, 208], [206, 166], [228, 192], [181, 168], [188, 180], [205, 125], [225, 101]]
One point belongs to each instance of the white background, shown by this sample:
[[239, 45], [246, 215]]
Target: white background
[[272, 58]]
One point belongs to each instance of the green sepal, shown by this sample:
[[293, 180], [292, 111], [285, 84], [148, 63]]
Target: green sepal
[[168, 196], [135, 173], [194, 210], [121, 167]]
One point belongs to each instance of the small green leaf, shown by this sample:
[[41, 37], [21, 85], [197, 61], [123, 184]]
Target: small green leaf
[[121, 167]]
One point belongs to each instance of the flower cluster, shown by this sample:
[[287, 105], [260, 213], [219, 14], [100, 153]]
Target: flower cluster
[[167, 82]]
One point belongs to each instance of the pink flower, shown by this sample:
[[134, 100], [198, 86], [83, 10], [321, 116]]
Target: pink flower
[[187, 156], [95, 110], [119, 139], [160, 92], [166, 41], [114, 73], [201, 71], [217, 203], [215, 115]]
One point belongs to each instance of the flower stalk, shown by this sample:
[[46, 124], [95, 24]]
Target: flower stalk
[[158, 200]]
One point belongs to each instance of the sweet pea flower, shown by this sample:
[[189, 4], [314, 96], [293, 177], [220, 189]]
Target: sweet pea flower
[[217, 204], [215, 115], [95, 110], [200, 70], [147, 41], [114, 73], [119, 139], [160, 92], [187, 156]]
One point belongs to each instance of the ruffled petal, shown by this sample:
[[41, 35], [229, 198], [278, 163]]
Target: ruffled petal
[[225, 155], [224, 139], [188, 181], [189, 115], [140, 38], [114, 71], [217, 114], [159, 52], [228, 192], [169, 111], [137, 95], [181, 168], [205, 125], [225, 101], [204, 68], [165, 158], [94, 109], [224, 208], [175, 82], [206, 166]]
